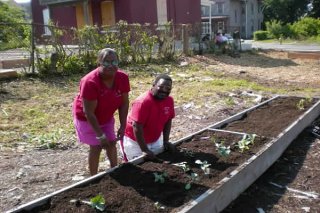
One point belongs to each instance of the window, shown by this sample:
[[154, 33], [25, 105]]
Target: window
[[252, 8], [220, 8], [46, 19], [235, 16], [221, 25], [205, 10]]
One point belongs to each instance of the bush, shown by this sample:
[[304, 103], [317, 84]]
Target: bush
[[260, 35], [306, 27], [274, 28]]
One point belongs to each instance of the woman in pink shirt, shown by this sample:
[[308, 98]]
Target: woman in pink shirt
[[103, 91]]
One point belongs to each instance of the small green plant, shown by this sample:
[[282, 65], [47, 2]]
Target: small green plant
[[193, 177], [160, 177], [246, 140], [224, 151], [159, 206], [98, 202], [301, 104], [204, 165], [183, 165]]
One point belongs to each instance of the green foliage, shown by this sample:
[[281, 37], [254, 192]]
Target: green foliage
[[224, 151], [166, 41], [247, 139], [260, 35], [160, 177], [306, 27], [301, 105], [49, 140], [184, 166], [158, 206], [13, 29], [193, 177], [98, 202], [204, 165], [274, 28], [285, 11]]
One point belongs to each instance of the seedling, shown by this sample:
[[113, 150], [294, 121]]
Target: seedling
[[97, 202], [204, 166], [224, 151], [193, 177], [301, 104], [183, 165], [246, 140], [160, 177], [159, 206]]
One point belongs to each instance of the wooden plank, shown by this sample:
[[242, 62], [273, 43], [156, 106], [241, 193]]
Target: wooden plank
[[14, 63], [8, 73]]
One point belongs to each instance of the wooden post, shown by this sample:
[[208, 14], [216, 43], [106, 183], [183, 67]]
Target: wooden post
[[185, 39]]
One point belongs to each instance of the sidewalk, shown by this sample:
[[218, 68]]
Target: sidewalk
[[294, 47]]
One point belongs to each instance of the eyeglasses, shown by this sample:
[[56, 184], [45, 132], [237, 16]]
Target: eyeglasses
[[112, 63]]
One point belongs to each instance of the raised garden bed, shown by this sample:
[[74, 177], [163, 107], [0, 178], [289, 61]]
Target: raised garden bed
[[134, 188]]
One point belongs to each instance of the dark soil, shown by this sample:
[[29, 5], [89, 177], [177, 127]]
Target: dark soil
[[132, 188], [271, 119]]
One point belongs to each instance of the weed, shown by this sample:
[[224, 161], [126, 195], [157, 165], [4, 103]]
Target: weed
[[183, 165], [247, 139], [224, 151], [193, 178], [204, 165]]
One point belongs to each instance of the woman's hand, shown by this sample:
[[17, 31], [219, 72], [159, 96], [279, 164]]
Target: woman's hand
[[120, 132]]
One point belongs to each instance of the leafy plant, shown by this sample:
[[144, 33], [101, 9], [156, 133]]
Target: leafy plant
[[301, 104], [204, 165], [224, 151], [183, 165], [98, 202], [159, 206], [160, 177], [246, 140], [193, 177]]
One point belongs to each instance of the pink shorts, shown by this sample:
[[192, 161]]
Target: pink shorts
[[86, 134]]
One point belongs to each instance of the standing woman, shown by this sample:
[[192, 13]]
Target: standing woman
[[103, 91]]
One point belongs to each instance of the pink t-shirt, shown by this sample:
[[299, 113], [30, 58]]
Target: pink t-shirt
[[108, 99], [153, 114]]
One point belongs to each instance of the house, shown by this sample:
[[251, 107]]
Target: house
[[77, 13], [228, 16]]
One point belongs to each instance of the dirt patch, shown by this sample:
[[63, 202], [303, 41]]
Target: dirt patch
[[136, 188]]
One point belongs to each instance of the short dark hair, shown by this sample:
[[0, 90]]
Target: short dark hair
[[162, 76], [104, 52]]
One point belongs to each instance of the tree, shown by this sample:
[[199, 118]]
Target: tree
[[286, 11], [315, 11], [11, 29]]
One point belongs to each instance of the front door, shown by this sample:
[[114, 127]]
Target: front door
[[107, 13]]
